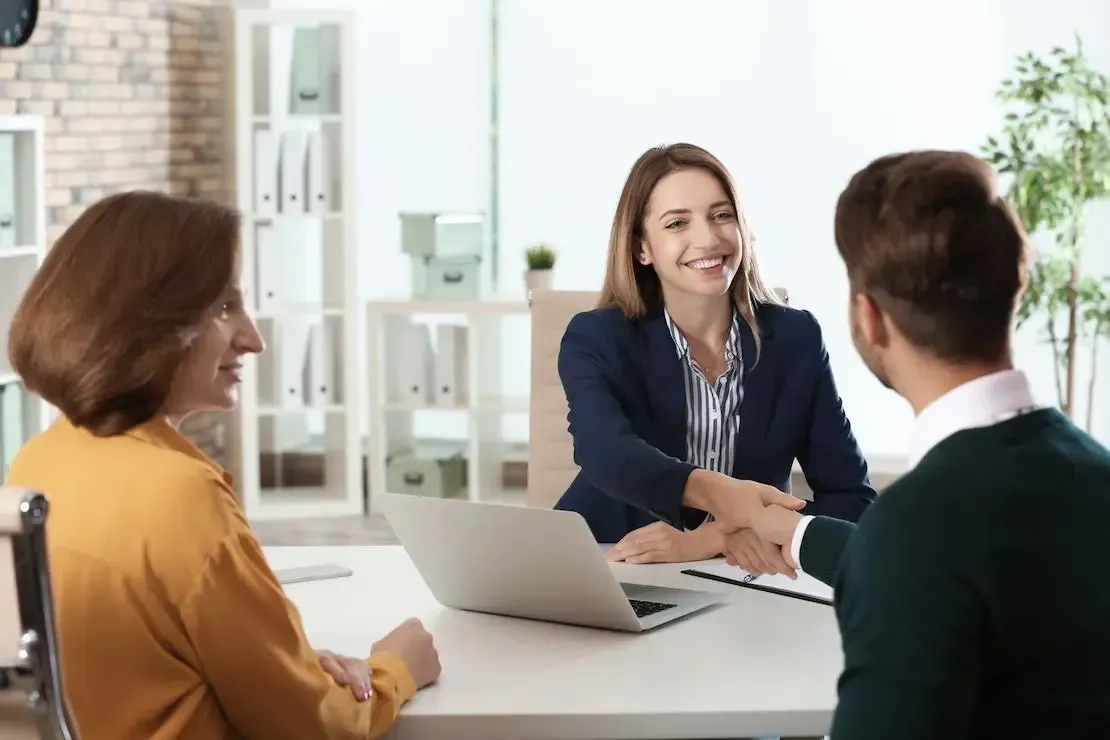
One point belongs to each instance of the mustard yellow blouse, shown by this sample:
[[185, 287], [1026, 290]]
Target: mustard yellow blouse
[[172, 625]]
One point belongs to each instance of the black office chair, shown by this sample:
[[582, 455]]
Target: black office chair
[[32, 700]]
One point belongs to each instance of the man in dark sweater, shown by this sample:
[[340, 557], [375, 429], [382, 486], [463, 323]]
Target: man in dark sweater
[[974, 595]]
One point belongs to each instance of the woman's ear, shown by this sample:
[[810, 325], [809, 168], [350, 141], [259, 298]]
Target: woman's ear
[[644, 255]]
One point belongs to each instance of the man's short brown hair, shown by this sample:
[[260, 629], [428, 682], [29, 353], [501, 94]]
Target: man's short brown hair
[[102, 329], [927, 236]]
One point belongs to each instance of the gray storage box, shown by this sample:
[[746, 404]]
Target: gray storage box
[[442, 234], [314, 83], [430, 472], [446, 278]]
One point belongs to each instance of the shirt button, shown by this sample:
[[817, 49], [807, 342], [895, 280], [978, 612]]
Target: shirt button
[[712, 455]]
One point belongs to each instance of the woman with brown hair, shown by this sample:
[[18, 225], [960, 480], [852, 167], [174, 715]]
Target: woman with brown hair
[[171, 623], [691, 387]]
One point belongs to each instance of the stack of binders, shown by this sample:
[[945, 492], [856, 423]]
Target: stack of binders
[[293, 172], [427, 374]]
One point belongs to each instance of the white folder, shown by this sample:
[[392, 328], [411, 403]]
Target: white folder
[[293, 172], [318, 167], [413, 376], [320, 383], [450, 366], [297, 265], [265, 172], [269, 372], [292, 348], [269, 269]]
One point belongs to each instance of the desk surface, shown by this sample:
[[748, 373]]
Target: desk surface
[[759, 665]]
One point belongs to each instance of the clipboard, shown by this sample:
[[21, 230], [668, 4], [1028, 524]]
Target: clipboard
[[806, 588]]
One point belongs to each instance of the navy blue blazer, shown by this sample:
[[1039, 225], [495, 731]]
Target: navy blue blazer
[[624, 385]]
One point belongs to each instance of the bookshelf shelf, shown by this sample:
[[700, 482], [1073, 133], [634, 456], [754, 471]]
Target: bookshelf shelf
[[442, 357], [22, 248], [297, 448]]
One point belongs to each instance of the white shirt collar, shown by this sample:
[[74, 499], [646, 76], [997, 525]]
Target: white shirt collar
[[981, 402]]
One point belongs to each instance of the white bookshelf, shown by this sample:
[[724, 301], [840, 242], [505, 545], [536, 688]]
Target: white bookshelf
[[22, 248], [296, 442], [482, 402]]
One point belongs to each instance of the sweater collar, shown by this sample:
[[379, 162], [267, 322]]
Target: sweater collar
[[982, 402]]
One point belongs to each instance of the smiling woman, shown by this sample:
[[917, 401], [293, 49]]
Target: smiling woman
[[135, 320], [686, 336]]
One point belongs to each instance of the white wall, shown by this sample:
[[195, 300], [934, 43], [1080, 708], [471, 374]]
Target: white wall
[[793, 97]]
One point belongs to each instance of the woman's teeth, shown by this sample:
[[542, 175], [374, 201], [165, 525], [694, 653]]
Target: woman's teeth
[[706, 263]]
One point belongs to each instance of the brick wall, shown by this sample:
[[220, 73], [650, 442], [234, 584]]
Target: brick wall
[[133, 96]]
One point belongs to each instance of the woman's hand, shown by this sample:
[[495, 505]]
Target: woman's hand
[[735, 504], [350, 672], [758, 556], [659, 542]]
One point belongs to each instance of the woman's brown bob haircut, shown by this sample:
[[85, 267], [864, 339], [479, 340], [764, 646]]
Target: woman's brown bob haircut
[[103, 327], [633, 286], [927, 236]]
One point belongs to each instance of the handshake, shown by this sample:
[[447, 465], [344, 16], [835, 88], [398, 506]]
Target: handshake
[[756, 521], [753, 525]]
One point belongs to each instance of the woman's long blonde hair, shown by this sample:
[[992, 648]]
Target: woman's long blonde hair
[[633, 286]]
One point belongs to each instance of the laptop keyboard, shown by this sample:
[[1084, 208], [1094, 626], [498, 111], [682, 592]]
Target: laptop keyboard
[[647, 608]]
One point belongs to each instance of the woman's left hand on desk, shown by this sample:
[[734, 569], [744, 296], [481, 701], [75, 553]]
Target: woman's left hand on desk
[[350, 672], [659, 542]]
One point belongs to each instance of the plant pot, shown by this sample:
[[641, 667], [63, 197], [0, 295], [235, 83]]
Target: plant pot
[[537, 280]]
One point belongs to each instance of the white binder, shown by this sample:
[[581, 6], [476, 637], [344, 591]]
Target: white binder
[[293, 172], [268, 266], [413, 376], [318, 169], [265, 172], [451, 381], [298, 264], [269, 372], [292, 360], [321, 377]]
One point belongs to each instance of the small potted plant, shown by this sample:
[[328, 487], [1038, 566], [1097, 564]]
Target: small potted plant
[[541, 261]]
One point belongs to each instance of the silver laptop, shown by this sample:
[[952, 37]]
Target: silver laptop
[[526, 562]]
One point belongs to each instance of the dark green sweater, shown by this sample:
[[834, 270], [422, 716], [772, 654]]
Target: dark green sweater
[[974, 596]]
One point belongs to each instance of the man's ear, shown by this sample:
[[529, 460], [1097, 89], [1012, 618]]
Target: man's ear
[[872, 322]]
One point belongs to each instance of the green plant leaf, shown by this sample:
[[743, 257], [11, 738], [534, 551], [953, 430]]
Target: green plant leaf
[[1053, 150]]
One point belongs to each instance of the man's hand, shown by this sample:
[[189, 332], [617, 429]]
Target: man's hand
[[734, 504], [757, 556], [659, 542], [354, 673], [776, 524], [412, 644]]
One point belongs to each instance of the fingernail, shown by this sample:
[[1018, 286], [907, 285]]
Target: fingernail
[[366, 692]]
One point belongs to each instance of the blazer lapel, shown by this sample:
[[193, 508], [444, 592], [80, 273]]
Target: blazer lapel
[[759, 397], [666, 386]]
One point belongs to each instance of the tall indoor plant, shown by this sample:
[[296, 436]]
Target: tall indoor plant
[[1055, 149]]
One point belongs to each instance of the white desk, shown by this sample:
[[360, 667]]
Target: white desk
[[761, 665]]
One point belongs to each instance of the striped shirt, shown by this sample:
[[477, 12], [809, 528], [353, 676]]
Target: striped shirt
[[712, 409]]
